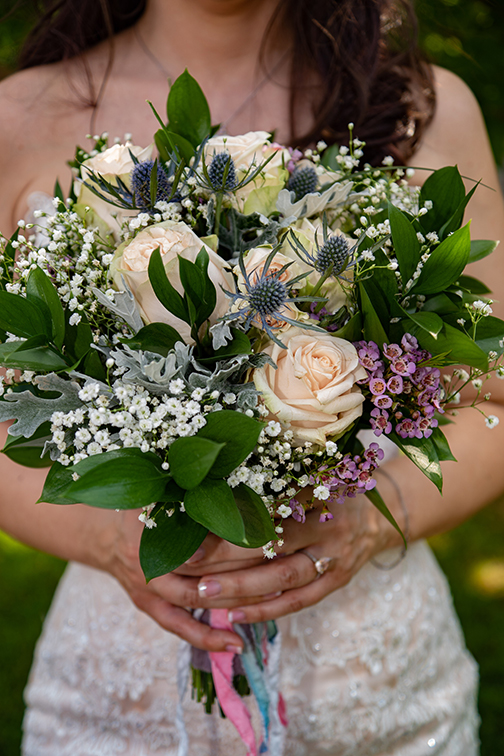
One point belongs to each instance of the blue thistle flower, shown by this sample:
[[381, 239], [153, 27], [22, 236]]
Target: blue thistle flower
[[141, 185], [265, 301], [333, 253], [222, 163], [303, 181], [268, 295]]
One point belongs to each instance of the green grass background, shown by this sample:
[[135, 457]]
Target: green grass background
[[466, 36]]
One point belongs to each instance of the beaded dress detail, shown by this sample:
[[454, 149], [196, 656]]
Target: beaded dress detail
[[378, 668]]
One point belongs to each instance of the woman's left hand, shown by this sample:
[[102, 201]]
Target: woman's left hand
[[267, 590]]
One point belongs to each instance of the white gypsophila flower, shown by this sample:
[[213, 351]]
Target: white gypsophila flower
[[462, 374], [147, 521], [198, 394], [89, 392], [278, 484], [273, 428], [177, 386], [500, 372], [284, 511], [331, 448], [477, 383], [491, 421], [321, 492]]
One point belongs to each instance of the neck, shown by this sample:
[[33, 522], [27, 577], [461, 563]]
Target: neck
[[213, 38]]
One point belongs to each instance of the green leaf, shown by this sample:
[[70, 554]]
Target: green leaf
[[372, 328], [480, 248], [182, 148], [32, 354], [443, 450], [352, 331], [163, 145], [22, 317], [212, 504], [489, 333], [57, 481], [406, 244], [238, 435], [171, 543], [154, 183], [375, 498], [187, 110], [155, 337], [460, 349], [259, 528], [191, 459], [41, 291], [124, 481], [446, 190], [193, 282], [78, 338], [445, 264], [423, 454], [442, 304], [458, 216], [473, 285], [239, 345], [28, 452], [172, 493], [428, 321], [163, 289]]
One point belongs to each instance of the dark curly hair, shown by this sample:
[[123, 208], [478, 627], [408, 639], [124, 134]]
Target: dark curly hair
[[364, 53]]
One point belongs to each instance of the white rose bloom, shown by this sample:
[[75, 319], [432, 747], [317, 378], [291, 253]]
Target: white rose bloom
[[313, 391], [131, 261], [113, 163]]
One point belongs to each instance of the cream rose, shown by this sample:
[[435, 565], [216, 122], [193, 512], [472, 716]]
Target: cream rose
[[249, 151], [131, 261], [312, 392], [110, 164]]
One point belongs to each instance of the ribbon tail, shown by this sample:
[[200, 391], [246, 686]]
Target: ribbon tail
[[222, 671], [183, 667], [277, 706]]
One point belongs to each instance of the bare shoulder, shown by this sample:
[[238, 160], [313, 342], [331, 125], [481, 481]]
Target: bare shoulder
[[457, 134], [39, 113]]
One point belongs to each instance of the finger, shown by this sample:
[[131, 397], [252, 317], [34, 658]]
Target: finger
[[279, 575], [215, 551], [288, 603], [180, 622]]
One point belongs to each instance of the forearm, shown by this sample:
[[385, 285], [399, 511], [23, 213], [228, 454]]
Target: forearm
[[476, 479]]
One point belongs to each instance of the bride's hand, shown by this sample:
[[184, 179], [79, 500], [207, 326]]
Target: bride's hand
[[167, 599], [357, 533]]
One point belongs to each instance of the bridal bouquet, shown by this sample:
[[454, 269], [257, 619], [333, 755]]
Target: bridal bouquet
[[203, 328]]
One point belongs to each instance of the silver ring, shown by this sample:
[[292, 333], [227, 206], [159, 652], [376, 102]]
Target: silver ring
[[322, 564]]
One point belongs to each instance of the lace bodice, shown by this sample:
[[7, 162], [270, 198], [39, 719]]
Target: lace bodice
[[377, 668]]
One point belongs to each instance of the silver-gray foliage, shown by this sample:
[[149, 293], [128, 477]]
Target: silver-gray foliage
[[30, 411], [124, 306]]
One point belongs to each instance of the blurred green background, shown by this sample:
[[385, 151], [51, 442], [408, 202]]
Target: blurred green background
[[466, 36]]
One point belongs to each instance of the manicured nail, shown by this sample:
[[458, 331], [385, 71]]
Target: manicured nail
[[236, 616], [198, 554], [209, 589], [272, 595], [235, 649]]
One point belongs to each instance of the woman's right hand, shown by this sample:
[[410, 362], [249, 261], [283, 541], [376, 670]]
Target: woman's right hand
[[167, 599]]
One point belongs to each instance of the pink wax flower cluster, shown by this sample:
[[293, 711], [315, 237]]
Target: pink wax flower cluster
[[405, 390], [350, 476]]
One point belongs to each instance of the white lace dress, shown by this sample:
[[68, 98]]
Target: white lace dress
[[377, 668]]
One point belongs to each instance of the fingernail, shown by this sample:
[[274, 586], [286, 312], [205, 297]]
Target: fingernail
[[209, 589], [235, 649], [236, 616], [198, 554], [272, 595]]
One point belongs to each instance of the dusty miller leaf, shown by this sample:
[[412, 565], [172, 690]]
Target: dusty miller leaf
[[31, 411], [124, 306]]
